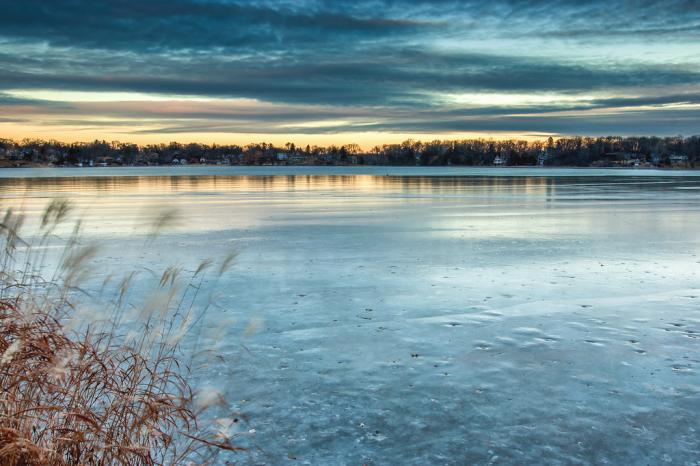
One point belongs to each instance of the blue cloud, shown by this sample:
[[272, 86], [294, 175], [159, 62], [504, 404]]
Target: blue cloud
[[395, 55]]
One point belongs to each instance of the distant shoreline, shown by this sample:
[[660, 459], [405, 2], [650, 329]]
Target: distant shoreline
[[282, 166], [8, 174], [580, 152]]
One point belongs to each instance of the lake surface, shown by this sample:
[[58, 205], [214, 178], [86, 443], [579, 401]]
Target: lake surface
[[427, 316]]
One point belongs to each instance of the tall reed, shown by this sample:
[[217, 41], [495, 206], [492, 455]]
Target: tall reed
[[94, 381]]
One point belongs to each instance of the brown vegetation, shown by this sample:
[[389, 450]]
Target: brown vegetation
[[98, 390]]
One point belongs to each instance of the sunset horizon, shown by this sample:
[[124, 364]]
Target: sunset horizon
[[371, 140]]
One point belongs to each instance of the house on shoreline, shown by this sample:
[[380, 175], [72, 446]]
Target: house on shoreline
[[500, 160]]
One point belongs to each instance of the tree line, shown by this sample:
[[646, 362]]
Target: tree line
[[564, 151]]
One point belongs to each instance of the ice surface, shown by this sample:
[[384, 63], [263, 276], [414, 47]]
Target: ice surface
[[539, 317]]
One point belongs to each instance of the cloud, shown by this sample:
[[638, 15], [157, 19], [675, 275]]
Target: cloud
[[662, 115], [188, 25], [379, 65], [411, 78]]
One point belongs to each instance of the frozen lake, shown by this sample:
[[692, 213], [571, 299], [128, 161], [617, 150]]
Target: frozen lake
[[429, 316]]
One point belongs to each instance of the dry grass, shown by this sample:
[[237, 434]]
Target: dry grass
[[108, 389]]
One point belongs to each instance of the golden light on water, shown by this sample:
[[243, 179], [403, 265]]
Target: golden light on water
[[122, 205]]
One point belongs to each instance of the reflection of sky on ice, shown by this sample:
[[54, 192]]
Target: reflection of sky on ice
[[555, 318]]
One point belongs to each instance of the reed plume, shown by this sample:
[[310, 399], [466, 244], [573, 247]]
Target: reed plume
[[103, 387]]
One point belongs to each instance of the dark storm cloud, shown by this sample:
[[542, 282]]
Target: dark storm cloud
[[196, 24], [185, 24], [399, 56]]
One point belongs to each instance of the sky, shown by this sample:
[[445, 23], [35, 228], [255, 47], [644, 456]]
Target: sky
[[346, 71]]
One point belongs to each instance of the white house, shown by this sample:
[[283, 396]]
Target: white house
[[498, 160]]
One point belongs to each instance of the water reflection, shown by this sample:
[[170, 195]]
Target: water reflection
[[219, 184], [443, 203], [548, 283], [449, 185]]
